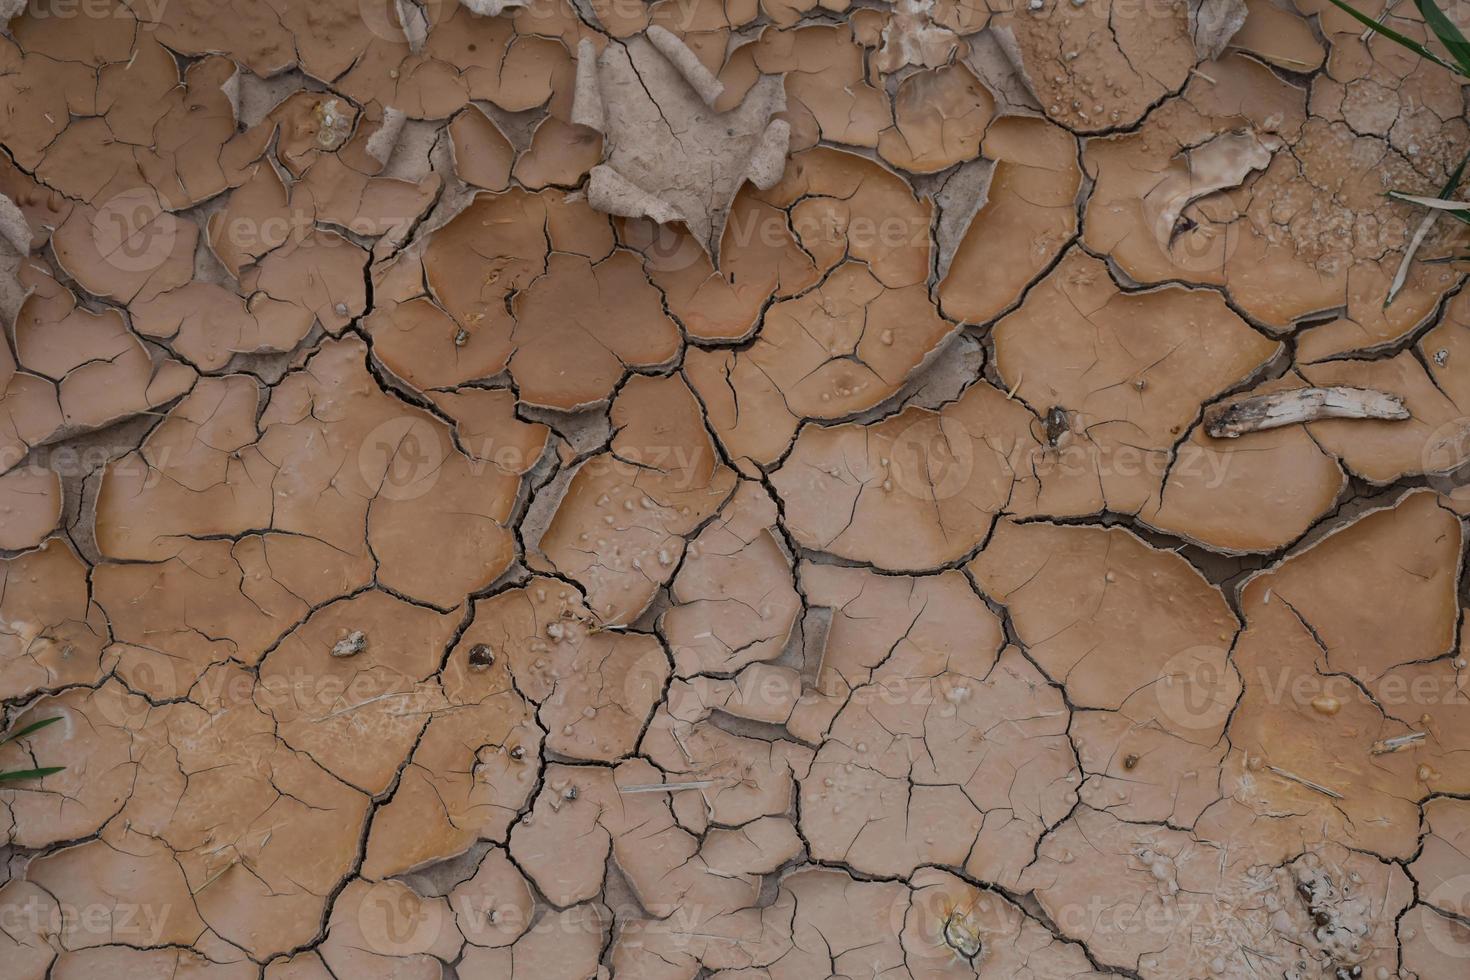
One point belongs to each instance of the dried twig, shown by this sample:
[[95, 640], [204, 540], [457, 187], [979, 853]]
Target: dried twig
[[1301, 405], [1306, 782]]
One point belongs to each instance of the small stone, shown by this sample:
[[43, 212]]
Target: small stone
[[1326, 704], [350, 645], [480, 657]]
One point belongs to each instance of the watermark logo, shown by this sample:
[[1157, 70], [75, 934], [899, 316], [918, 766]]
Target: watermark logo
[[932, 459], [132, 233], [402, 457], [92, 924], [665, 248], [1197, 687], [396, 922], [1450, 937], [148, 13]]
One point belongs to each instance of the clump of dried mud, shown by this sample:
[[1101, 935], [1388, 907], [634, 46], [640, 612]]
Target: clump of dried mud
[[546, 490]]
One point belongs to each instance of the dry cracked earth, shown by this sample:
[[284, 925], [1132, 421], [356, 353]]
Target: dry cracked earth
[[740, 489]]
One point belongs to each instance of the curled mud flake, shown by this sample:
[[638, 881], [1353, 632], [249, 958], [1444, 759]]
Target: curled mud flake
[[1278, 36], [320, 275], [669, 156], [1084, 64], [940, 118], [1309, 232], [89, 875], [750, 776], [1212, 24], [1312, 643], [565, 943], [829, 94], [608, 314], [1253, 495], [734, 602], [939, 479], [171, 620], [1039, 570], [387, 927], [378, 689], [51, 634], [560, 155], [913, 34], [595, 688], [97, 370], [1229, 421], [208, 325], [481, 153], [846, 207], [1079, 342], [759, 259], [1034, 185], [472, 769], [30, 506], [661, 452], [892, 806]]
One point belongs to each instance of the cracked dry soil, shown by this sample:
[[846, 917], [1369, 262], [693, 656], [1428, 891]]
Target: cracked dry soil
[[740, 489]]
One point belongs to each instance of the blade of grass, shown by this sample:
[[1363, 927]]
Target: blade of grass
[[1449, 35], [13, 775], [29, 729], [1422, 232], [1387, 9], [1396, 37], [1437, 203]]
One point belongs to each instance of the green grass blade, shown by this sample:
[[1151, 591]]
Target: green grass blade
[[1396, 37], [16, 774], [1438, 204], [1449, 35], [30, 729]]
